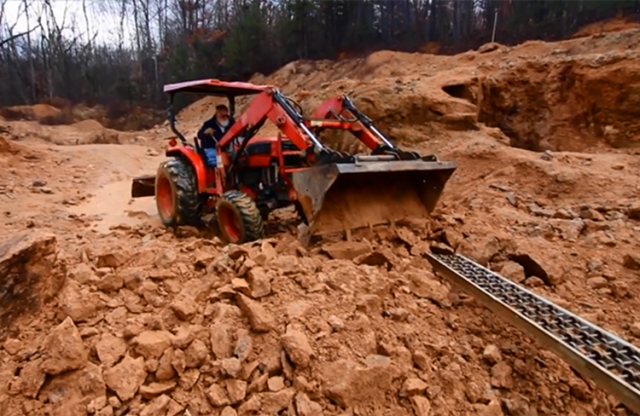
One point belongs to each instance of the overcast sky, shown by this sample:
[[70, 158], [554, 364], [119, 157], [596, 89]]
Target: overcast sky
[[101, 21]]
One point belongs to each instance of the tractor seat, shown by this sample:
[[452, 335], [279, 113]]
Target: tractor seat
[[261, 148]]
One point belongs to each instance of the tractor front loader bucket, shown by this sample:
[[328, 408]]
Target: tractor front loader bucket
[[143, 186], [339, 197]]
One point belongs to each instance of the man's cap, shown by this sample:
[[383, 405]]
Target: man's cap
[[222, 107]]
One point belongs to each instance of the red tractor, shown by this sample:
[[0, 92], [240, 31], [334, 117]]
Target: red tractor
[[332, 191]]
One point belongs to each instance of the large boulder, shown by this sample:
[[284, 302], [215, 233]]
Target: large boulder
[[27, 276]]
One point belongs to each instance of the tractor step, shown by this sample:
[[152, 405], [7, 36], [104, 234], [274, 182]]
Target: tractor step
[[611, 362]]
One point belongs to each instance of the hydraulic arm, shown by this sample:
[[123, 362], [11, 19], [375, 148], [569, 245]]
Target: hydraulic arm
[[341, 112]]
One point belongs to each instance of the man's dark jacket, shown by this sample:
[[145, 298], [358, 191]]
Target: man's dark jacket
[[208, 141]]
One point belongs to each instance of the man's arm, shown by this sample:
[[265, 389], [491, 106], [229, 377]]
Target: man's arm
[[202, 136]]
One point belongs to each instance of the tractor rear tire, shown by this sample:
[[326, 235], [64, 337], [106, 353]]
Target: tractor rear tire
[[239, 218], [177, 197]]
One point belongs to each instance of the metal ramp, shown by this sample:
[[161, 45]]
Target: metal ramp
[[611, 362]]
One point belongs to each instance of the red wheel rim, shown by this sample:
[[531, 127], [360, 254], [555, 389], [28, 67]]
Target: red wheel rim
[[164, 196], [229, 223]]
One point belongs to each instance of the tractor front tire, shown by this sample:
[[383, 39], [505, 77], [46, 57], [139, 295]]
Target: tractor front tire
[[177, 197], [239, 218]]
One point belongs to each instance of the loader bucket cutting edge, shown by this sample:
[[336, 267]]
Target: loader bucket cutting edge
[[143, 186], [338, 197]]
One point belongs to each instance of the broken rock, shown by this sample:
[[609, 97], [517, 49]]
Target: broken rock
[[72, 391], [579, 389], [228, 411], [217, 396], [184, 307], [126, 377], [346, 250], [413, 386], [183, 336], [220, 341], [152, 344], [631, 261], [501, 376], [342, 381], [260, 282], [297, 346], [196, 289], [274, 403], [165, 369], [12, 346], [244, 345], [250, 407], [63, 349], [32, 378], [307, 407], [189, 378], [105, 411], [74, 303], [157, 406], [424, 285], [513, 271], [155, 389], [491, 354], [113, 260], [259, 318], [111, 282], [237, 390], [421, 405], [26, 278], [196, 354], [110, 348], [97, 404], [275, 383], [230, 366]]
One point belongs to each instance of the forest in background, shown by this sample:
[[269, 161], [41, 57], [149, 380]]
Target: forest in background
[[178, 40]]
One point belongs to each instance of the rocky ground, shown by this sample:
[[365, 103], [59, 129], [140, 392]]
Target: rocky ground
[[104, 312]]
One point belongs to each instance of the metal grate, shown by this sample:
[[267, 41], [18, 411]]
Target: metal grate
[[612, 362]]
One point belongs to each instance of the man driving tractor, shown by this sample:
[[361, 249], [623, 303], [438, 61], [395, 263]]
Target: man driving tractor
[[213, 130]]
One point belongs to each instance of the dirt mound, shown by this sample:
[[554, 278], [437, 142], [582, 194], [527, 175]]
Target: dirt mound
[[35, 112], [251, 328], [612, 25], [121, 118], [566, 104], [88, 126], [85, 132]]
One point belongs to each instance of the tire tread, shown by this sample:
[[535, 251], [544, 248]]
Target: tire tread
[[188, 210], [249, 212]]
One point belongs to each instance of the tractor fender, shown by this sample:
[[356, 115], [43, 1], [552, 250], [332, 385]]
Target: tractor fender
[[196, 161]]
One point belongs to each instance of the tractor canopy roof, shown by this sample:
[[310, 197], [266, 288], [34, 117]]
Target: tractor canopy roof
[[216, 87]]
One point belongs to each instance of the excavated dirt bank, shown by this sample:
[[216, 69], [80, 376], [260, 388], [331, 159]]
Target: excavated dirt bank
[[148, 321], [566, 96], [570, 106]]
